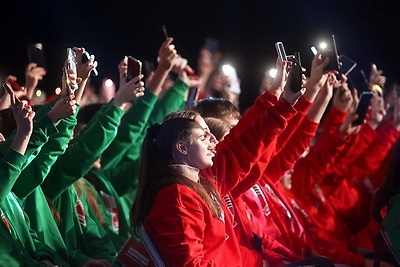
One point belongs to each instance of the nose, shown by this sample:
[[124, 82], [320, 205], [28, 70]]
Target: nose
[[213, 140]]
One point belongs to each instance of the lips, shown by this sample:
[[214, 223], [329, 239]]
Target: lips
[[213, 152]]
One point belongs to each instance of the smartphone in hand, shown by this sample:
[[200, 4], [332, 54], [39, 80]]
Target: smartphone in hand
[[230, 71], [134, 68], [36, 54], [70, 65], [10, 92], [362, 107], [280, 50], [331, 52], [192, 96], [295, 73], [15, 85], [358, 80], [347, 65], [86, 58]]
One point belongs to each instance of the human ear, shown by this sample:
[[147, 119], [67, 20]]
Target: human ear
[[181, 147]]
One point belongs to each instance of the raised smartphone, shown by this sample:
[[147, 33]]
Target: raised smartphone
[[134, 68], [362, 107], [10, 92], [347, 65], [71, 65], [280, 50], [36, 54], [294, 77], [333, 56]]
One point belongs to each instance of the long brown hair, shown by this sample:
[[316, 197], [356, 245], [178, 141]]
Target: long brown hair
[[390, 186], [155, 173], [90, 193]]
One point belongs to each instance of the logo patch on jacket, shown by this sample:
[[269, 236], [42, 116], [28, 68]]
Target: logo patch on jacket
[[80, 212], [111, 207], [258, 192], [229, 205]]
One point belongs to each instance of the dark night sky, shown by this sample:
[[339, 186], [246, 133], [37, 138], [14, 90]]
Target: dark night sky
[[366, 31]]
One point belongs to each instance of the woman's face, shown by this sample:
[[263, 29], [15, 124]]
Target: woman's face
[[204, 125], [200, 150]]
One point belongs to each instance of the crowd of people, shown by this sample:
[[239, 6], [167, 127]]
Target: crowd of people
[[290, 182]]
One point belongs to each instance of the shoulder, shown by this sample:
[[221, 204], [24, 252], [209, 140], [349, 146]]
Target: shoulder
[[177, 192], [178, 197]]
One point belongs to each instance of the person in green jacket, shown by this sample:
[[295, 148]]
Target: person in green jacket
[[20, 245], [81, 229], [62, 112]]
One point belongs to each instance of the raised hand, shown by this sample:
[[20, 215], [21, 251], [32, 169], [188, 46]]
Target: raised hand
[[166, 54], [65, 107], [317, 69], [23, 116], [279, 82], [343, 98], [33, 74], [129, 92], [376, 77], [84, 69], [123, 71], [378, 111]]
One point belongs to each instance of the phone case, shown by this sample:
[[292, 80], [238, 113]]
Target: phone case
[[294, 78], [134, 68], [71, 65], [280, 50], [36, 55], [333, 59], [362, 107]]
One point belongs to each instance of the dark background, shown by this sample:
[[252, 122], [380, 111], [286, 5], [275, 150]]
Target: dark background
[[366, 31]]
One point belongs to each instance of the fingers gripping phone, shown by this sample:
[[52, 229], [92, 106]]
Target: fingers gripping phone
[[362, 107], [10, 92], [134, 68], [70, 65], [86, 58], [189, 71]]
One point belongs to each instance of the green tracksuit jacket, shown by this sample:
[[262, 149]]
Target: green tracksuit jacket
[[82, 236]]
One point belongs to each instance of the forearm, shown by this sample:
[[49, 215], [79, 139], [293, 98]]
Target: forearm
[[130, 130], [155, 84], [173, 100], [34, 174], [83, 151], [237, 155]]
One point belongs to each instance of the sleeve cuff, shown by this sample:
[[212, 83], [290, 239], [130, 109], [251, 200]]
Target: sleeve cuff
[[180, 85], [45, 124], [302, 105], [15, 158]]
